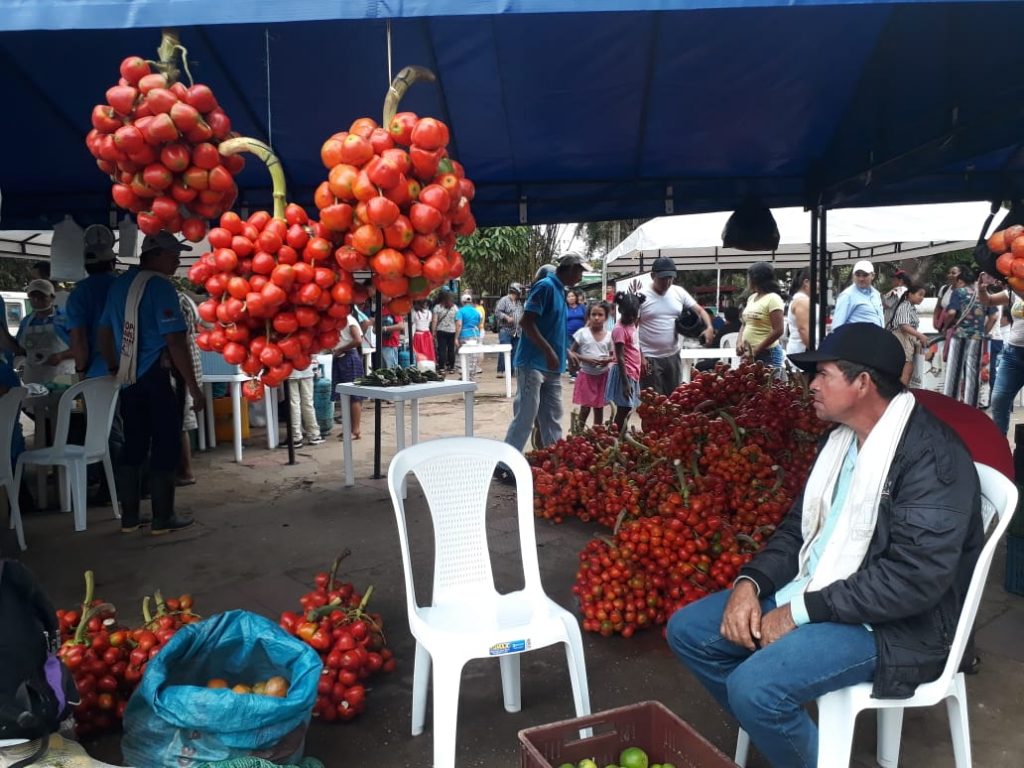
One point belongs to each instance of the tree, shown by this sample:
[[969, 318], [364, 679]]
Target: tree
[[600, 237], [497, 256]]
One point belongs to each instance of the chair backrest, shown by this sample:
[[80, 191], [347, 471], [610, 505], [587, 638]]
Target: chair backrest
[[100, 395], [455, 475], [998, 500], [728, 341], [10, 412]]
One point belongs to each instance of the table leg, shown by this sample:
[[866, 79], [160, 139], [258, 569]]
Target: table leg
[[270, 400], [201, 431], [687, 365], [41, 412], [468, 397], [414, 422], [400, 436], [508, 374], [346, 434], [236, 418], [211, 423], [465, 367]]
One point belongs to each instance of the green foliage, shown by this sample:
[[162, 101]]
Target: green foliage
[[14, 274], [497, 256]]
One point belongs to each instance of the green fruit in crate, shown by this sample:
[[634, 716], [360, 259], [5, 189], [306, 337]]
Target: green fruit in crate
[[633, 757], [567, 765], [586, 763]]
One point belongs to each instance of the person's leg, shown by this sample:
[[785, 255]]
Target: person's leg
[[357, 417], [671, 373], [185, 475], [995, 348], [767, 692], [294, 410], [164, 419], [134, 446], [504, 337], [549, 413], [524, 407], [310, 426], [598, 417], [908, 370], [584, 415], [1008, 382]]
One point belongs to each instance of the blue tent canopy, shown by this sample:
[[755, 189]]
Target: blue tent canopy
[[626, 109]]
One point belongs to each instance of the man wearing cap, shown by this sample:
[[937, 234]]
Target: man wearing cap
[[85, 306], [44, 336], [900, 281], [508, 311], [656, 327], [468, 322], [540, 357], [865, 578], [860, 302], [142, 336]]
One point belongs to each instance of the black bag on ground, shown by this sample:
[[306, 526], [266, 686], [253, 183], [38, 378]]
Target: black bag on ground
[[36, 691]]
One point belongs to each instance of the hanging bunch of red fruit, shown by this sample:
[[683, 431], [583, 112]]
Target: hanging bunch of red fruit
[[350, 641], [276, 298], [158, 140], [394, 201]]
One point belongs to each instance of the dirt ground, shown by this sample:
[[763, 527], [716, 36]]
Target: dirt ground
[[265, 527]]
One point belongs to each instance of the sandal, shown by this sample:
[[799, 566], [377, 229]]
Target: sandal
[[182, 481]]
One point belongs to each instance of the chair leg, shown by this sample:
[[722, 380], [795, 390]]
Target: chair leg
[[959, 725], [108, 469], [836, 720], [510, 682], [577, 668], [76, 478], [742, 749], [447, 679], [890, 730], [420, 684], [63, 489], [16, 524]]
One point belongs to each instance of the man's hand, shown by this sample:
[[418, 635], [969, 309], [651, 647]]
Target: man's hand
[[708, 334], [198, 397], [552, 359], [645, 367], [741, 621], [776, 623]]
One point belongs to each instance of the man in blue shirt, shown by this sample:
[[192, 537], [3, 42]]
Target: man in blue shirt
[[84, 307], [150, 405], [541, 355], [861, 302]]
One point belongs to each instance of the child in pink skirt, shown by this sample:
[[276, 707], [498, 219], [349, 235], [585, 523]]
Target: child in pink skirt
[[624, 380], [592, 350]]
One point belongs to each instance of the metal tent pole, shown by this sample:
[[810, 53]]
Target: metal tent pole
[[378, 329], [823, 274], [812, 328]]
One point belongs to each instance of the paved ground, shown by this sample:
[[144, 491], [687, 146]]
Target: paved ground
[[265, 527]]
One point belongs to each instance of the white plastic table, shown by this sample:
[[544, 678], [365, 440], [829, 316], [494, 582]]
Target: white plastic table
[[486, 349], [235, 380], [399, 395], [688, 355]]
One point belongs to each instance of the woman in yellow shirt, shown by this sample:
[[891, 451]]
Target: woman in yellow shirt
[[761, 328]]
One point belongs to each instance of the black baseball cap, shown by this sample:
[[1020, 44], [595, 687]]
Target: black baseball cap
[[861, 343], [663, 267]]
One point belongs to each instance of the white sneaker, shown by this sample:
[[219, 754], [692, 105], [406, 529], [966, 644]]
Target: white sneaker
[[315, 440]]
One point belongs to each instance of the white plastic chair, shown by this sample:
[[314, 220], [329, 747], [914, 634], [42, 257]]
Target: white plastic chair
[[728, 341], [100, 396], [468, 618], [837, 711], [10, 412]]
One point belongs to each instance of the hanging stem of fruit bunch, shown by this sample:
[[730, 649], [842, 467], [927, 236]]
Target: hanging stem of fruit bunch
[[403, 81], [168, 51], [266, 154]]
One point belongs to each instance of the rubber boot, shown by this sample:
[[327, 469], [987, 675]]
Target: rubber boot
[[128, 481], [161, 488]]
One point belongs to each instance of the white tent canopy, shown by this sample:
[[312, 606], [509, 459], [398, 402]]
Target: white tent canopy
[[877, 234]]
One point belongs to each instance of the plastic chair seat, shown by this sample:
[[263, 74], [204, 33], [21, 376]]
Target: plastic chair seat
[[510, 615], [53, 457]]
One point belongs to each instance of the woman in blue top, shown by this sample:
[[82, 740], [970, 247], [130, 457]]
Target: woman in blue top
[[467, 322], [575, 313]]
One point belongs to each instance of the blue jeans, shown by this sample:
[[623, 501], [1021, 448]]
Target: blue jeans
[[389, 356], [505, 337], [765, 689], [538, 399], [1009, 380]]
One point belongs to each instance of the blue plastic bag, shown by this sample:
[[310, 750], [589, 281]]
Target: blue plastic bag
[[174, 720]]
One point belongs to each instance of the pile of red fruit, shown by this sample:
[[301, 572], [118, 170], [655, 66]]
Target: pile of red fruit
[[107, 660], [690, 498], [350, 642], [394, 202], [275, 298], [158, 141]]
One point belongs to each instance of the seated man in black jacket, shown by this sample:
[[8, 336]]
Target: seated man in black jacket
[[865, 578]]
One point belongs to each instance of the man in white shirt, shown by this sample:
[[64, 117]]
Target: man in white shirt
[[656, 329]]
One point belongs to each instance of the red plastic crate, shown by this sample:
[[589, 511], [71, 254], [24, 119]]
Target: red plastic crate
[[648, 725]]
